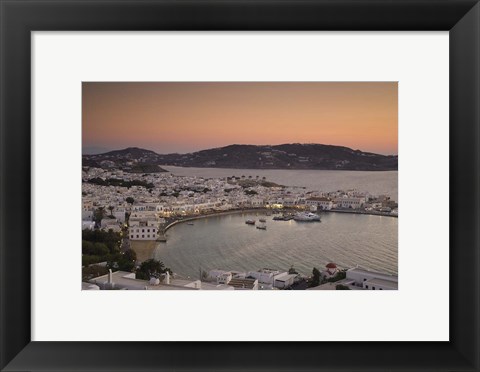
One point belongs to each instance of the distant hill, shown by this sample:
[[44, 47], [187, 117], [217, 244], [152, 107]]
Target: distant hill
[[287, 156], [131, 159]]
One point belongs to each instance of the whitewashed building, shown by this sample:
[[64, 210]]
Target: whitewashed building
[[284, 280], [320, 203], [224, 278], [88, 225], [143, 230], [350, 203], [372, 280], [264, 275], [330, 270]]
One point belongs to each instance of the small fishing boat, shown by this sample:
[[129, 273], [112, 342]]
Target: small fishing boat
[[250, 222]]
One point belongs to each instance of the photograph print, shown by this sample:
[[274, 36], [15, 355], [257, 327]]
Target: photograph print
[[239, 186]]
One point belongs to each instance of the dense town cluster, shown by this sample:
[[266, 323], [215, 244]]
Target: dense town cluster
[[155, 198]]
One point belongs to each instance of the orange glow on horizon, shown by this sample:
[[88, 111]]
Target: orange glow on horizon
[[187, 117]]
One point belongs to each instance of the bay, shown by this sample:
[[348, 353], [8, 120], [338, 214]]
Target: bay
[[226, 242]]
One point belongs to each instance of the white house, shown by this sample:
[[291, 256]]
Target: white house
[[372, 280], [350, 203], [244, 284], [320, 203], [143, 230], [212, 274], [88, 225], [264, 275], [87, 215], [109, 223], [224, 278], [284, 280], [330, 270]]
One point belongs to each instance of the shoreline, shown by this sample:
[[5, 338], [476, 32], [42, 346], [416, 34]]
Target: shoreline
[[225, 213], [279, 169], [368, 213], [262, 210]]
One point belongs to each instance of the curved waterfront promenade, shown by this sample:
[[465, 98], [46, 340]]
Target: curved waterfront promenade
[[368, 213], [264, 210], [215, 214]]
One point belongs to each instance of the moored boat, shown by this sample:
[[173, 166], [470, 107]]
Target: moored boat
[[284, 217], [250, 222], [307, 217]]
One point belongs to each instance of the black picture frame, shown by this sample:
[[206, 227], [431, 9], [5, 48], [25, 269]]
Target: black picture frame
[[20, 17]]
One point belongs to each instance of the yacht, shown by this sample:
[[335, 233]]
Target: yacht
[[250, 222], [306, 217]]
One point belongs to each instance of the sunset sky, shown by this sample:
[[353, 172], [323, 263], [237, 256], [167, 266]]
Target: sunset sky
[[186, 117]]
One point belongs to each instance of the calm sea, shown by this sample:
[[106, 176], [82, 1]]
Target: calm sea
[[321, 180], [226, 242]]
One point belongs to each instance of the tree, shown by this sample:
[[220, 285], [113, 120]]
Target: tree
[[315, 277], [151, 268], [292, 270], [111, 208], [111, 239], [98, 215], [100, 249], [87, 247], [340, 287], [126, 261], [130, 254], [129, 200]]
